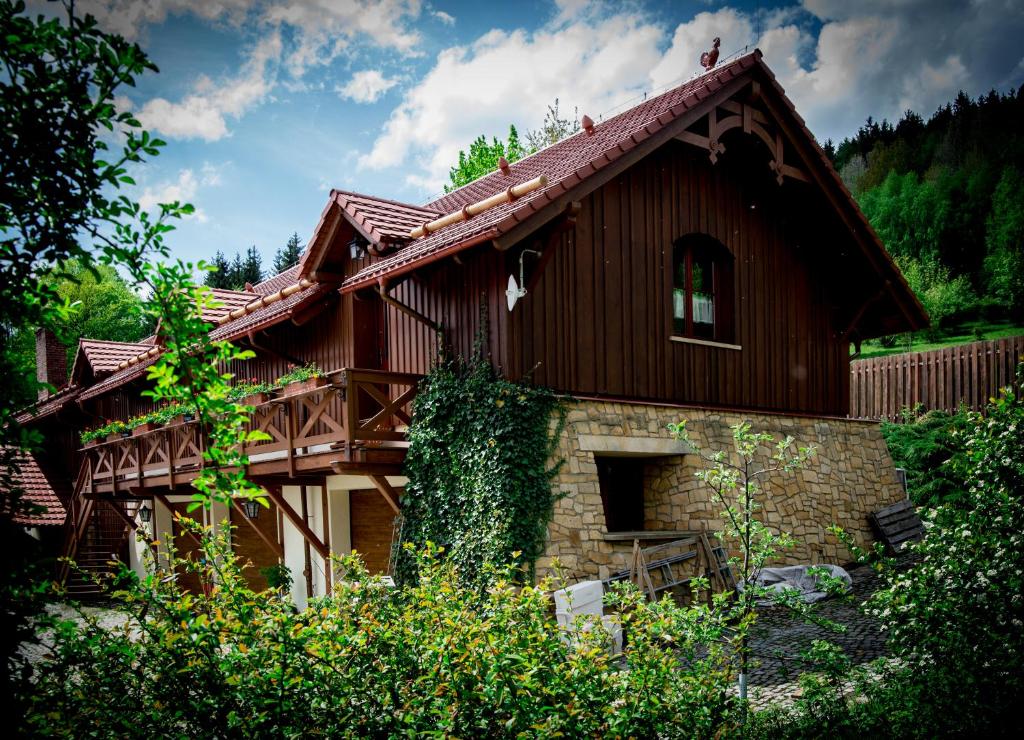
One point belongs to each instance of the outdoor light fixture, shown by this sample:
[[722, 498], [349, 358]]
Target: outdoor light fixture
[[251, 508], [145, 514], [357, 247]]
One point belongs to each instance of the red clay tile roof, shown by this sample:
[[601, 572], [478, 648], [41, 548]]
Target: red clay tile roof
[[119, 378], [49, 405], [568, 163], [380, 220], [229, 300], [269, 315], [104, 356], [261, 318], [277, 282], [37, 491]]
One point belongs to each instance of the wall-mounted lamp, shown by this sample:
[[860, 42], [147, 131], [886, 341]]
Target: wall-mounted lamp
[[145, 514], [357, 247], [251, 507]]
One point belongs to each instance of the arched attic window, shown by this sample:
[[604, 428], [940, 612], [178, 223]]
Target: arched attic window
[[702, 289]]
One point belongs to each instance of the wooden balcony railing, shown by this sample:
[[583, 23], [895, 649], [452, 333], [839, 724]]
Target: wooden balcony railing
[[358, 417]]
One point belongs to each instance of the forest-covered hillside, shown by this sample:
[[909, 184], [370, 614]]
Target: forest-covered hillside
[[946, 195]]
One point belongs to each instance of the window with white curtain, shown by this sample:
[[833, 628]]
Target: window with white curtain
[[702, 289]]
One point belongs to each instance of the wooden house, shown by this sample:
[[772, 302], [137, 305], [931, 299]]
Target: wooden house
[[694, 257]]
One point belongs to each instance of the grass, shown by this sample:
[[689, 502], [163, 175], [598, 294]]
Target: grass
[[973, 331]]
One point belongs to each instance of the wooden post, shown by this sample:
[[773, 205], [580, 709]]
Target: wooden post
[[325, 518], [286, 509], [289, 434], [308, 572]]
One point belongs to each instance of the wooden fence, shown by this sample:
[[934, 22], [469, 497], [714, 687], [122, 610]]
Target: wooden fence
[[881, 387]]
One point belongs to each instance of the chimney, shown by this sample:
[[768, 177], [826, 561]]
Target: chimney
[[51, 361]]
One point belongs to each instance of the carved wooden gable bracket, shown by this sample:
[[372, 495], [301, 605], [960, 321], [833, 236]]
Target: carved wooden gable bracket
[[732, 114]]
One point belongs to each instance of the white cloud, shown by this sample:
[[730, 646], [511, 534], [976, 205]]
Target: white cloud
[[323, 29], [446, 18], [182, 190], [511, 77], [202, 114], [131, 18], [873, 58], [295, 34], [366, 86], [691, 39]]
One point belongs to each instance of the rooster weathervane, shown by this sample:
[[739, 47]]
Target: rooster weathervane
[[710, 58]]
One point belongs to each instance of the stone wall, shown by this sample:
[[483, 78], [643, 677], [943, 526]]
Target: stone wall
[[850, 476]]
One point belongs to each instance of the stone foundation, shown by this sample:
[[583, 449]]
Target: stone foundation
[[850, 476]]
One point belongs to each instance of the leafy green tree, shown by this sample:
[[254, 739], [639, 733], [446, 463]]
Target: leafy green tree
[[220, 272], [64, 152], [943, 296], [107, 307], [482, 158], [1004, 261], [289, 254], [553, 129]]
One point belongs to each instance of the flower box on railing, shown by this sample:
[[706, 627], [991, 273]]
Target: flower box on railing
[[303, 386], [91, 443], [149, 426], [114, 436], [183, 418], [256, 399]]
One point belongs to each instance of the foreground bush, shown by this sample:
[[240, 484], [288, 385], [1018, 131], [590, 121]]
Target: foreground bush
[[376, 661], [925, 447], [954, 615]]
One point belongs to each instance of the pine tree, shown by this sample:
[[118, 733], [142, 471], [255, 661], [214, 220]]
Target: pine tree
[[252, 268], [234, 280], [288, 255], [219, 278]]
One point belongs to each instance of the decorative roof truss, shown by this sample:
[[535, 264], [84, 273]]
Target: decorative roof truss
[[732, 114]]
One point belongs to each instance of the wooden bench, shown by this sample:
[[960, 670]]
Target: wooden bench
[[897, 525]]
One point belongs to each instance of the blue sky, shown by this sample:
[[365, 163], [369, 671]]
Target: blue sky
[[267, 104]]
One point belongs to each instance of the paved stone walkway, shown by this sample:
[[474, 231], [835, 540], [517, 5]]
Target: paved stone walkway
[[780, 637]]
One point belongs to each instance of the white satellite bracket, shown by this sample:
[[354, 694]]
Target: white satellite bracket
[[517, 290]]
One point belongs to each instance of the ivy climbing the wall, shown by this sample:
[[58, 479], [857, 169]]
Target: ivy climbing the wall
[[480, 470]]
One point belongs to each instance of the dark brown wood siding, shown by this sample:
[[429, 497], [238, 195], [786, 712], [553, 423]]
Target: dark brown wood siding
[[459, 297], [599, 321]]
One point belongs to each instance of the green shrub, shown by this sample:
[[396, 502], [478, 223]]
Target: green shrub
[[480, 476], [374, 661], [954, 614], [925, 446]]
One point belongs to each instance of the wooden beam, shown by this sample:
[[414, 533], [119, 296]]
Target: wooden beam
[[387, 491], [272, 544], [132, 524], [611, 170], [862, 310], [175, 516], [297, 520], [848, 212]]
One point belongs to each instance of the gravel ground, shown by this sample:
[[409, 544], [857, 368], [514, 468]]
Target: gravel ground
[[108, 618], [780, 638]]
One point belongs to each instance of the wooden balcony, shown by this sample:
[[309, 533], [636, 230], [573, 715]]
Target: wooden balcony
[[354, 424]]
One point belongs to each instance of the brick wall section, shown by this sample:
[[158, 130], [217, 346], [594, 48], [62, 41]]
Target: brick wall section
[[850, 476], [51, 361]]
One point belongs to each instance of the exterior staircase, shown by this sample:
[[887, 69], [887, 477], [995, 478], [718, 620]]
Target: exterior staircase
[[96, 539]]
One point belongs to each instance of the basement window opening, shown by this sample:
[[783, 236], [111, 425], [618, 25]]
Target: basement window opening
[[621, 480]]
